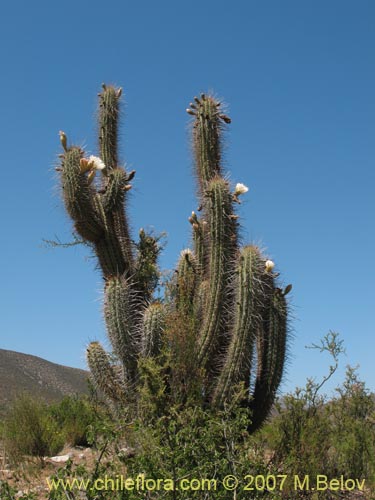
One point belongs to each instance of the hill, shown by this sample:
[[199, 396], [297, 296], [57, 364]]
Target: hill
[[45, 380]]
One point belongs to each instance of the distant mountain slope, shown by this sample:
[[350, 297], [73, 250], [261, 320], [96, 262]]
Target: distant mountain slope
[[43, 379]]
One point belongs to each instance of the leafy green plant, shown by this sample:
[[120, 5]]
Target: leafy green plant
[[197, 444], [73, 415], [353, 428], [311, 435], [188, 443], [30, 430], [225, 305], [7, 492]]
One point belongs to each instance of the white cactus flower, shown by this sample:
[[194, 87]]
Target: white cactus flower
[[269, 266], [240, 189], [96, 163]]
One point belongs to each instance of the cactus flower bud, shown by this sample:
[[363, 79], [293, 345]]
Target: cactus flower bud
[[91, 176], [225, 118], [287, 289], [131, 175], [193, 218], [84, 165], [63, 140]]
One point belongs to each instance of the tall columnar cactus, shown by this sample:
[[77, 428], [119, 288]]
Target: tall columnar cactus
[[225, 296]]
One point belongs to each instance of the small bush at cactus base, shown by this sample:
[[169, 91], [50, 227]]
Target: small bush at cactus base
[[223, 321], [29, 430], [34, 429]]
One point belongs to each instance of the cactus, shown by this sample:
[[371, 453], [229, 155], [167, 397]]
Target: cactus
[[225, 309]]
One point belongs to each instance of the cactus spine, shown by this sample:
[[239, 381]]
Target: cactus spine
[[225, 297]]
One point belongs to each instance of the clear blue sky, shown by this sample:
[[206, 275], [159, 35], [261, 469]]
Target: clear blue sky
[[299, 79]]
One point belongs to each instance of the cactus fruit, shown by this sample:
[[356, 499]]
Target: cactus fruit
[[225, 320]]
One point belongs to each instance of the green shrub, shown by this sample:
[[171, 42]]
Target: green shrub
[[189, 443], [353, 426], [295, 434], [30, 430], [310, 435], [73, 415]]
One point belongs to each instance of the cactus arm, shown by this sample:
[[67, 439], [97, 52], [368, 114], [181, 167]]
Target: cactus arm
[[221, 247], [215, 242], [108, 248], [237, 364], [154, 319], [109, 255], [114, 182], [96, 215], [103, 372], [200, 301], [122, 320], [120, 230], [146, 268], [271, 353], [200, 243], [186, 283], [207, 147], [79, 196], [206, 139], [109, 111], [114, 194]]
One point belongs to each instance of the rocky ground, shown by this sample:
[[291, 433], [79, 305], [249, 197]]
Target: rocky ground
[[30, 477]]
